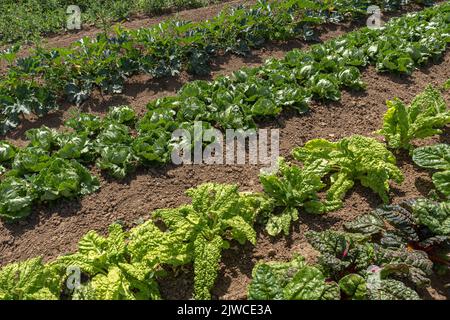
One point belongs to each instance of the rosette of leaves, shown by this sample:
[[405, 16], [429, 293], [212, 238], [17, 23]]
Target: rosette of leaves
[[66, 145], [122, 114], [63, 179], [114, 148], [356, 158], [29, 280], [108, 269], [218, 214], [436, 157], [85, 123], [421, 224], [290, 188], [344, 253], [423, 118], [293, 280], [16, 198]]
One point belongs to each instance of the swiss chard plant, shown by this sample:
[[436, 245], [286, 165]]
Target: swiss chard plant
[[436, 157], [424, 117], [110, 269], [343, 254], [351, 159], [290, 188], [297, 280], [416, 225], [29, 280], [293, 280], [218, 214]]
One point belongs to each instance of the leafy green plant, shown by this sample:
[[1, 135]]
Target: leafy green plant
[[423, 118], [350, 159], [447, 85], [291, 188], [436, 157], [112, 271], [29, 280], [7, 153], [344, 253], [420, 224], [34, 84], [218, 213], [294, 280], [16, 198]]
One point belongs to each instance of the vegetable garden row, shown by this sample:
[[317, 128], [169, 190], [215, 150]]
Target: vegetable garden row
[[402, 245], [40, 82]]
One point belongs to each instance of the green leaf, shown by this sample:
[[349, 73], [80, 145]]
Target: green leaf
[[436, 216], [309, 284], [350, 159], [207, 256], [265, 284], [442, 182], [16, 199], [353, 286], [433, 157]]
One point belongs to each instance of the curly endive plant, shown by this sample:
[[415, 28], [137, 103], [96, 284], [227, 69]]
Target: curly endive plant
[[355, 158]]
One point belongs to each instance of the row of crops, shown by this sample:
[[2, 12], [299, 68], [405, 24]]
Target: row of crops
[[28, 20], [52, 166], [46, 78], [403, 245]]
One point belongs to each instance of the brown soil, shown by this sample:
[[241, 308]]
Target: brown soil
[[50, 232]]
